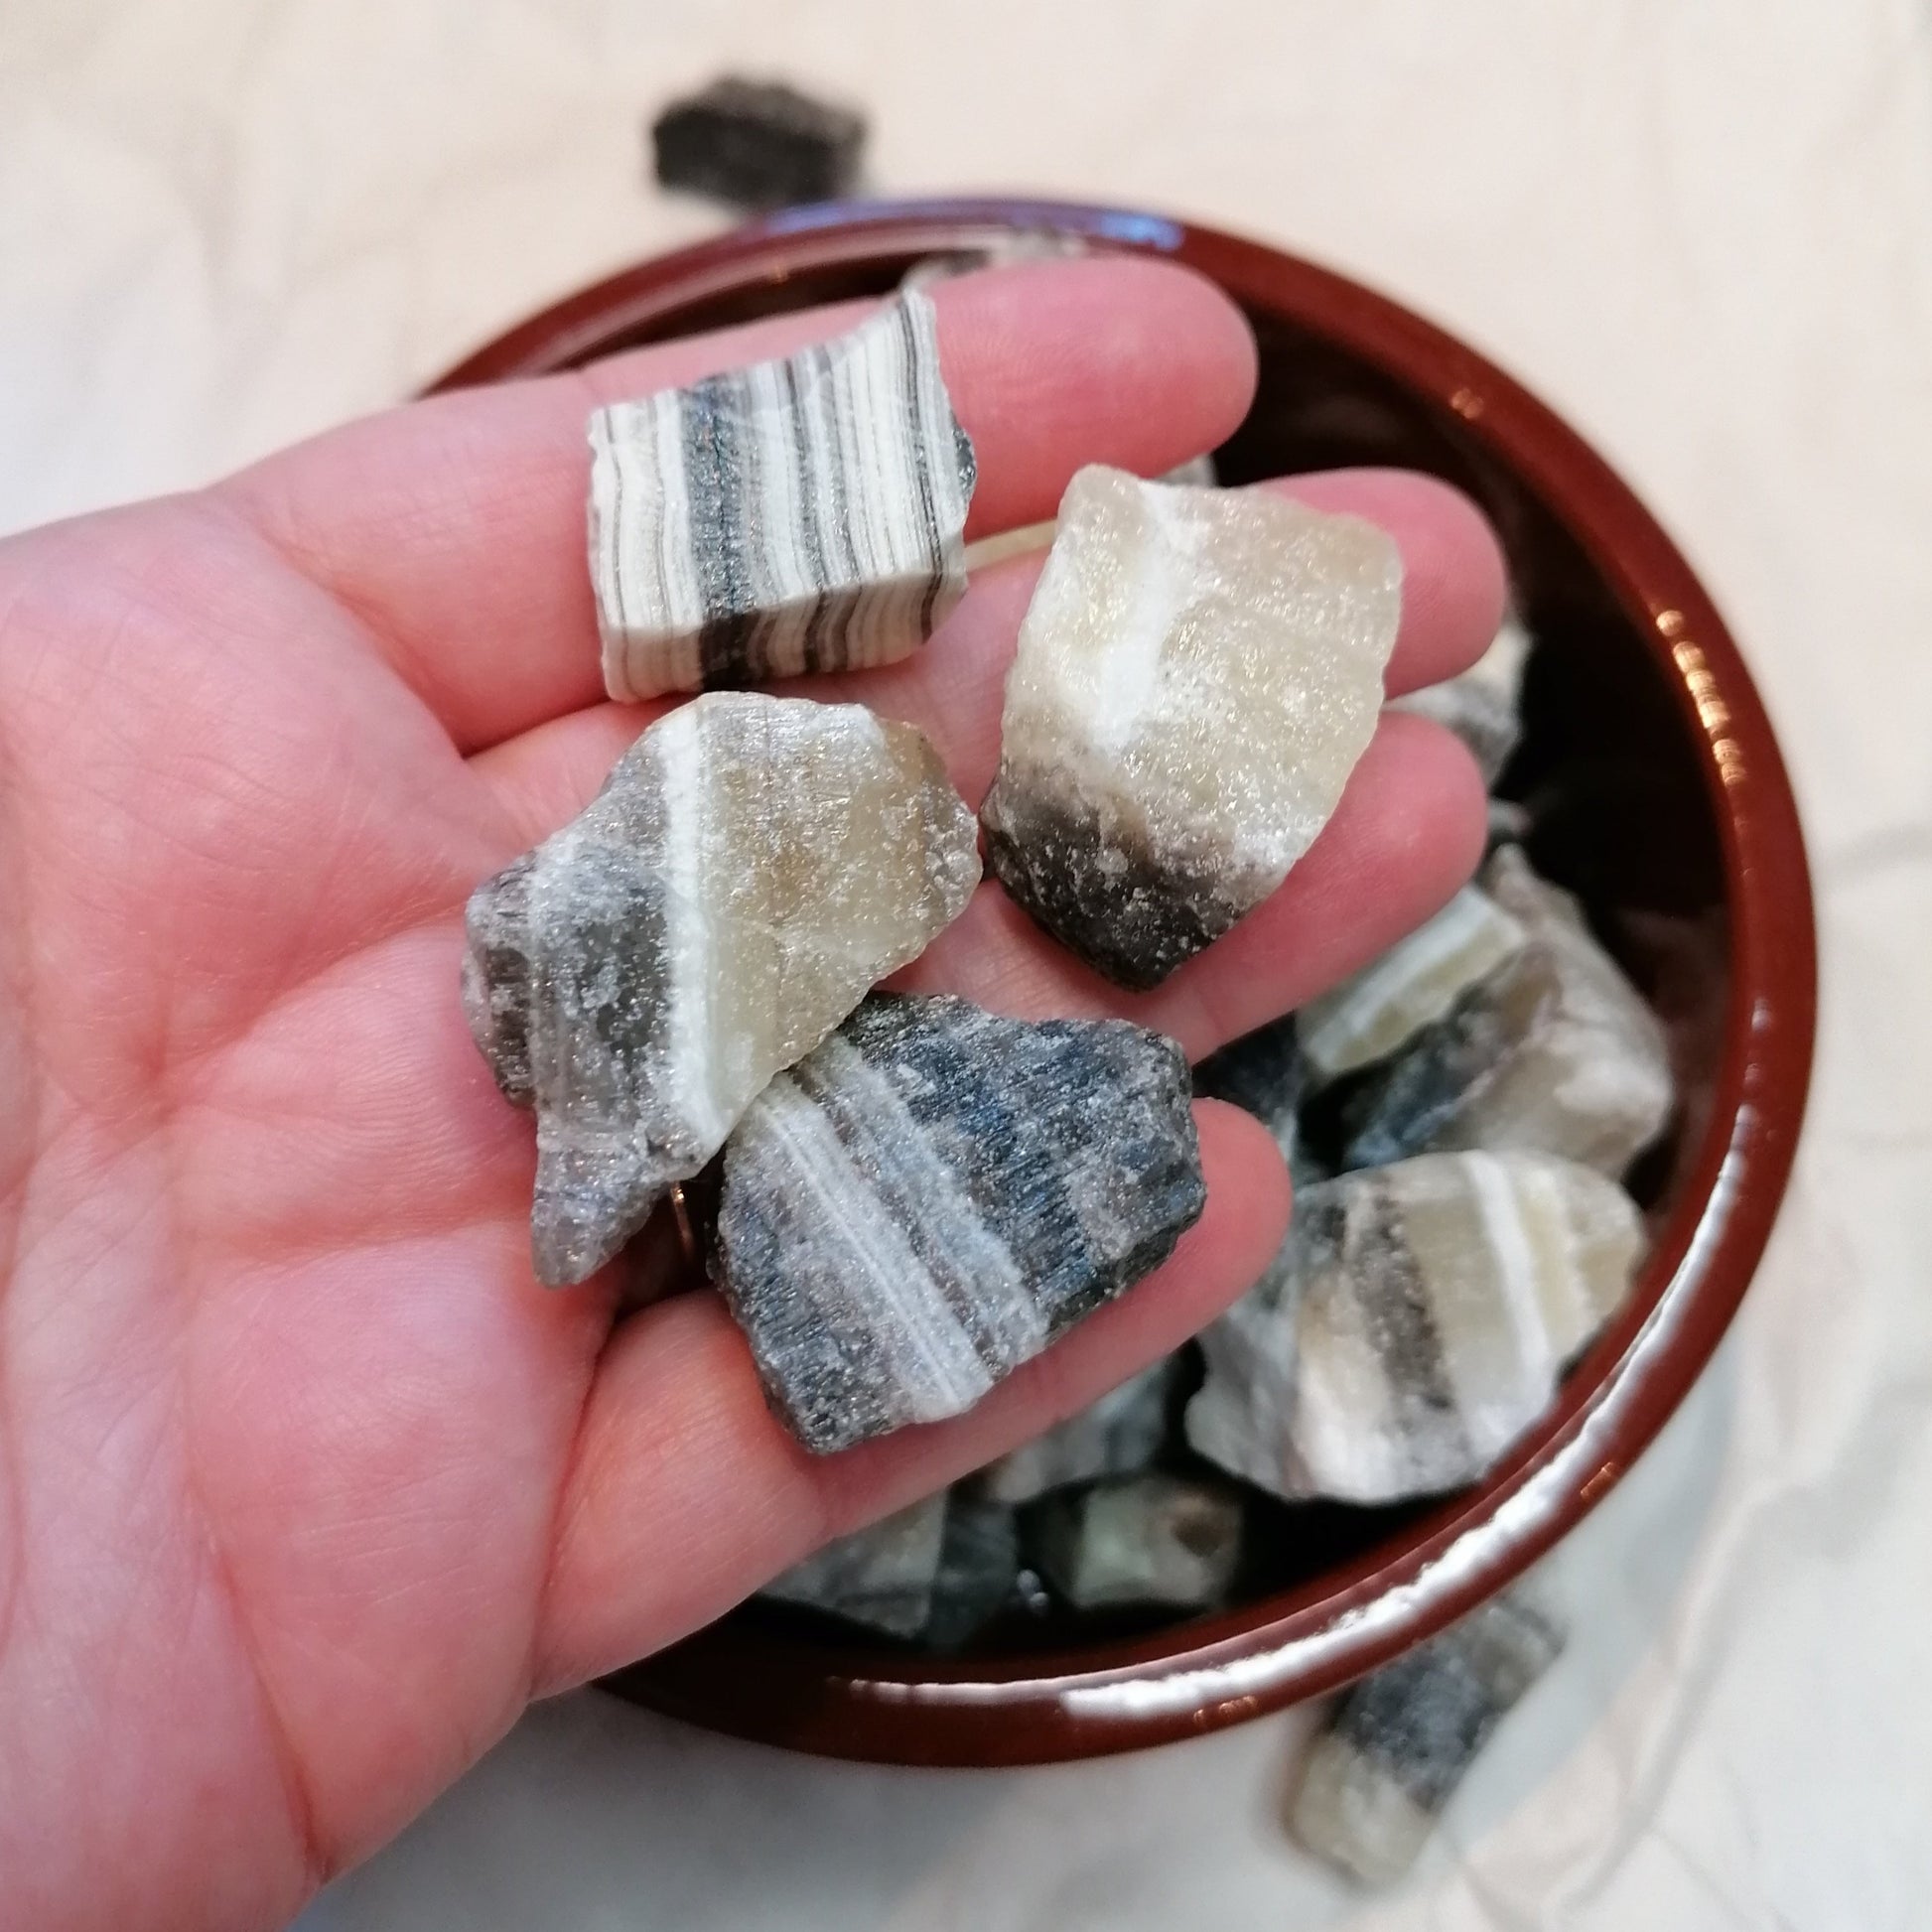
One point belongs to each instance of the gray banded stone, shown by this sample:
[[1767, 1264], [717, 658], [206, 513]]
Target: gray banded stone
[[1415, 1324], [1377, 1011], [1119, 1435], [1397, 1744], [1556, 1051], [882, 1576], [750, 868], [935, 1195], [1197, 675], [798, 515]]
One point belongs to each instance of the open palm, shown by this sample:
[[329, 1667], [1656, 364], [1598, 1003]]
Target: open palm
[[308, 1487]]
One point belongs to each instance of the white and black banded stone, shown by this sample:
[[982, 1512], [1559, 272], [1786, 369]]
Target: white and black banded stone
[[1374, 1013], [935, 1195], [1415, 1324], [752, 867], [1154, 1540], [1197, 675], [1397, 1744], [1120, 1434], [1555, 1050], [798, 515]]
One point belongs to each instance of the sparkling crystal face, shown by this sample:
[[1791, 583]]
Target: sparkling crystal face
[[1197, 675], [750, 868]]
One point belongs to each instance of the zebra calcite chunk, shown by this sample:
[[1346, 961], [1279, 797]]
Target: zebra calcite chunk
[[1557, 1051], [798, 515], [935, 1195], [1397, 1744], [1415, 1325], [1385, 1005], [881, 1576], [1264, 1074], [979, 1568], [1197, 675], [1481, 707], [1139, 1539], [750, 868], [1119, 1435]]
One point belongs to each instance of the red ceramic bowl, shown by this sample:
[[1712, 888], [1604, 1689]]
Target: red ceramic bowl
[[1658, 789]]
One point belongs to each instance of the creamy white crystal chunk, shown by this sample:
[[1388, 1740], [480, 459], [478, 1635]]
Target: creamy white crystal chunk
[[1413, 1326], [1555, 1049], [798, 515], [752, 867], [1197, 675], [1370, 1016]]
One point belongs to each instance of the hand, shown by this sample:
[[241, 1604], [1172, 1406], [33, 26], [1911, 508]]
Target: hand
[[308, 1488]]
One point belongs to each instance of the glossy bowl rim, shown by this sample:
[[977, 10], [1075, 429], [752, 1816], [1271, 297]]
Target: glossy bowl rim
[[900, 1708]]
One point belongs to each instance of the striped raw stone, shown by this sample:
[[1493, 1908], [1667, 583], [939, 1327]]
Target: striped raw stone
[[798, 516], [1483, 707], [1415, 1325], [1384, 1006], [882, 1576], [1197, 675], [1397, 1744], [935, 1195], [1120, 1434], [1554, 1051], [1165, 1540], [750, 868]]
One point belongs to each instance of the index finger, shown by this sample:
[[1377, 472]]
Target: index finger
[[455, 529]]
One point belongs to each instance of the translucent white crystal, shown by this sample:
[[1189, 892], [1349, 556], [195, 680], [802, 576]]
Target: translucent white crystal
[[1370, 1016], [1415, 1325], [796, 515], [1557, 1051], [1197, 675], [750, 868]]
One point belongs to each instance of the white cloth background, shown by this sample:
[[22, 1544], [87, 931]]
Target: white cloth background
[[1703, 231]]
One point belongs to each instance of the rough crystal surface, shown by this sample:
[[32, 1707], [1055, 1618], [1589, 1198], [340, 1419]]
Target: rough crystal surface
[[1197, 675], [1397, 1744], [750, 868], [798, 516], [882, 1576], [1384, 1006], [936, 1193], [1413, 1326], [1119, 1435], [1482, 706], [1557, 1051], [1139, 1539]]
